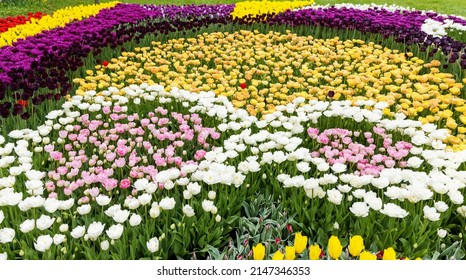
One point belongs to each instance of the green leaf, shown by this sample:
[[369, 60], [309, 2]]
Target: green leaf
[[322, 238], [407, 248], [201, 242]]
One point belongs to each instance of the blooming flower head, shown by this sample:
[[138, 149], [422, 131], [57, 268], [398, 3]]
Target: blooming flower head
[[314, 252], [43, 243], [6, 235], [290, 252], [300, 242], [95, 229], [115, 231], [188, 210], [278, 256], [334, 247], [389, 254], [153, 245], [167, 203], [258, 252], [367, 256], [135, 220], [356, 245]]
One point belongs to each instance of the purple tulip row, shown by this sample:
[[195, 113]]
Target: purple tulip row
[[42, 61]]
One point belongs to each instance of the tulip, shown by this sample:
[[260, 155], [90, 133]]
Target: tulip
[[278, 256], [300, 242], [356, 245], [258, 252], [389, 254], [367, 256], [334, 247], [314, 252], [290, 253]]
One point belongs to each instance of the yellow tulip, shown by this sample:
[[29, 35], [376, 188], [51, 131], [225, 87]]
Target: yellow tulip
[[314, 252], [254, 8], [278, 256], [389, 254], [428, 98], [258, 252], [367, 256], [300, 242], [356, 245], [334, 247], [290, 252]]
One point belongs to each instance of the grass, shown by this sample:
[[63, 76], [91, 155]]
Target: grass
[[457, 7]]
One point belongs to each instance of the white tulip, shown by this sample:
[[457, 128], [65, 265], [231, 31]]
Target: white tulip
[[44, 222], [167, 203], [135, 220], [6, 235], [78, 232], [188, 210], [115, 231], [95, 230], [43, 243], [27, 226], [153, 245]]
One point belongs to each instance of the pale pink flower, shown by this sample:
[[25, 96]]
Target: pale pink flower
[[56, 155], [120, 162]]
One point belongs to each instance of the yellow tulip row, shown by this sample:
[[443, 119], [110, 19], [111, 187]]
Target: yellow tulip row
[[356, 249], [260, 71], [58, 19], [254, 8]]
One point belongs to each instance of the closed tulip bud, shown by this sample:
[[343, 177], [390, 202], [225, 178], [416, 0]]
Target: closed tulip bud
[[334, 247], [104, 245], [356, 245]]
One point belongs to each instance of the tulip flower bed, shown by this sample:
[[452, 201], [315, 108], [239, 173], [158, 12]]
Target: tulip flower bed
[[9, 22], [234, 132]]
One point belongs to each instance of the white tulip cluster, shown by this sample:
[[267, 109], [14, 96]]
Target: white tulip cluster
[[272, 145]]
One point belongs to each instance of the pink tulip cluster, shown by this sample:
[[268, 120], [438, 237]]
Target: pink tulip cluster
[[98, 154], [338, 145]]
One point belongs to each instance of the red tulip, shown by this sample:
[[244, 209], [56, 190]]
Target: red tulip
[[22, 102]]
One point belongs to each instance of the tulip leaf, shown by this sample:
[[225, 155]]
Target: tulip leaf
[[322, 237]]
